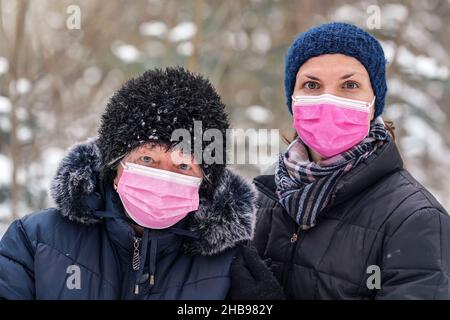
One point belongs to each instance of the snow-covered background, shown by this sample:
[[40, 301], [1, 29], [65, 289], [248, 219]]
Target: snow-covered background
[[55, 81]]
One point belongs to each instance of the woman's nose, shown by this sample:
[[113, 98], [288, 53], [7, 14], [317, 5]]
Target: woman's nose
[[167, 163], [164, 165], [330, 90]]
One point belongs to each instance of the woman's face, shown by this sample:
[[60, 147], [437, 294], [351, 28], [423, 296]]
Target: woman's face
[[335, 74], [158, 157]]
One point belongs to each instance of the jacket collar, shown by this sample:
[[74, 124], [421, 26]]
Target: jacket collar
[[220, 222], [381, 163], [378, 165]]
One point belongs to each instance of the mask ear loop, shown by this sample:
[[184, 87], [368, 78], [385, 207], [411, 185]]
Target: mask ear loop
[[372, 103], [206, 178], [124, 167], [379, 118]]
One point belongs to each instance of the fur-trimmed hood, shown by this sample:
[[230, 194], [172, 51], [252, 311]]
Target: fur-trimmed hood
[[220, 222]]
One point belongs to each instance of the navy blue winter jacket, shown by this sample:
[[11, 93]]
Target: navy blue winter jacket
[[84, 248]]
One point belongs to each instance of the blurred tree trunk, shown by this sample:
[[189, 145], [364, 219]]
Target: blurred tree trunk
[[14, 74], [198, 21]]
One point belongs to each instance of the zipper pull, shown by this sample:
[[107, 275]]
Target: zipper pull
[[152, 279], [136, 262], [294, 238]]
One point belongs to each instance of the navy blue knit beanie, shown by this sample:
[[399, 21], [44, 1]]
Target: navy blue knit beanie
[[340, 38]]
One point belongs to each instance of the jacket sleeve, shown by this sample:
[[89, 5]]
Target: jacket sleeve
[[16, 264], [416, 258]]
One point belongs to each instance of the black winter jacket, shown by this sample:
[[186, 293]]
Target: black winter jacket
[[380, 223]]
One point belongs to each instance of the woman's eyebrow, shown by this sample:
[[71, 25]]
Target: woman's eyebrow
[[348, 75], [308, 76], [148, 146]]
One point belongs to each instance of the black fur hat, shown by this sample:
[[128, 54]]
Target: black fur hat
[[150, 107]]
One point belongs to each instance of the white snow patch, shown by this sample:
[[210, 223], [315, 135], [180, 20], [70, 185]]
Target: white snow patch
[[4, 65], [258, 114], [5, 124], [261, 40], [394, 11], [416, 98], [185, 48], [126, 52], [5, 104], [422, 139], [51, 158], [153, 28], [23, 86], [92, 75], [24, 133], [421, 65], [389, 49], [183, 31], [343, 13], [5, 172]]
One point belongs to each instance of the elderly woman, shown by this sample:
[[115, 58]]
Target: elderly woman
[[138, 217]]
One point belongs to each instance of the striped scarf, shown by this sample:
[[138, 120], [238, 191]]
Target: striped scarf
[[304, 187]]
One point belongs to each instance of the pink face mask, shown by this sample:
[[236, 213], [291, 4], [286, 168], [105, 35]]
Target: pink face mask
[[155, 198], [329, 124]]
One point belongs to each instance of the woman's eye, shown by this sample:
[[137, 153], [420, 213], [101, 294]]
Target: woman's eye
[[311, 85], [146, 159], [351, 85], [184, 166]]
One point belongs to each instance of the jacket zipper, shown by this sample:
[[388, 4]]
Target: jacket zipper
[[136, 261], [294, 240]]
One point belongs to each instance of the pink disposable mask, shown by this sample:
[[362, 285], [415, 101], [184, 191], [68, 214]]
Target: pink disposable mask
[[155, 198], [329, 124]]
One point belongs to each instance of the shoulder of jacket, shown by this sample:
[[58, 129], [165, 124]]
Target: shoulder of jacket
[[42, 226], [421, 192], [40, 219], [416, 206]]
